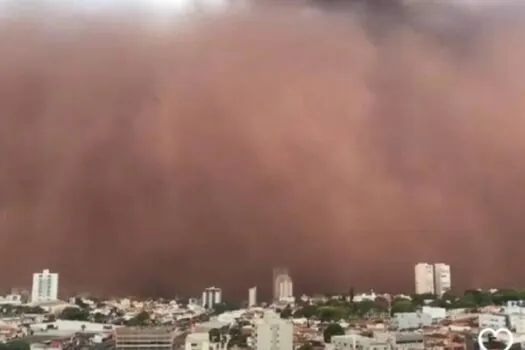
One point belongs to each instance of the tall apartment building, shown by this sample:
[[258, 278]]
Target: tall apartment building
[[434, 279], [252, 297], [282, 285], [274, 333], [45, 286], [211, 296], [442, 281], [424, 278]]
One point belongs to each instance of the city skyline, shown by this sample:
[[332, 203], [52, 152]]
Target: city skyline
[[162, 173]]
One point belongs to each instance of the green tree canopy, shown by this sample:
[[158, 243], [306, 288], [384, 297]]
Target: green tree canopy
[[99, 317], [141, 319], [74, 314], [307, 311], [16, 345], [215, 335], [331, 330], [403, 305], [223, 307], [364, 307], [286, 312]]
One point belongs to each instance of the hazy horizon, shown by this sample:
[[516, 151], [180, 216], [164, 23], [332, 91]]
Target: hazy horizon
[[158, 153]]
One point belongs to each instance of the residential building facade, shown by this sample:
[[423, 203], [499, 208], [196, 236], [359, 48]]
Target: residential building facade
[[154, 338], [442, 279], [282, 285], [252, 297], [424, 274], [411, 320], [274, 333], [45, 286], [211, 296]]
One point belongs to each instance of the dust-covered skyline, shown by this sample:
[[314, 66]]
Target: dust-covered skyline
[[151, 153]]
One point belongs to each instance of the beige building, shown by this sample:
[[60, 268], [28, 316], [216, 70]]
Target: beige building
[[144, 338], [282, 285]]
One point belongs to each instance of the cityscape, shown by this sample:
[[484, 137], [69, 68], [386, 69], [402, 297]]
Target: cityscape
[[431, 318], [262, 175]]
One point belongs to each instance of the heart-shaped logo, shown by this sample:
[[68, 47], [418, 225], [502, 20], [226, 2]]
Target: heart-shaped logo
[[486, 331]]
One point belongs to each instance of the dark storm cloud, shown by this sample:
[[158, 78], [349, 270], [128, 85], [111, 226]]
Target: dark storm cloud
[[145, 156]]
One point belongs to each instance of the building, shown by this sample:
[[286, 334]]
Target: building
[[411, 320], [517, 323], [358, 342], [199, 341], [273, 333], [211, 296], [67, 327], [409, 341], [282, 285], [252, 296], [45, 286], [492, 321], [433, 279], [424, 276], [515, 307], [438, 313], [11, 299], [144, 338], [442, 281]]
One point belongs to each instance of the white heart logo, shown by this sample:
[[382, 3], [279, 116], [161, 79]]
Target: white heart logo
[[495, 333]]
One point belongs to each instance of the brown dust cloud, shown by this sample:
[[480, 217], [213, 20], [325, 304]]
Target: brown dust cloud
[[146, 151]]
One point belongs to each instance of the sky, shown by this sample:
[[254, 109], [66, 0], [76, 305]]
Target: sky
[[154, 153]]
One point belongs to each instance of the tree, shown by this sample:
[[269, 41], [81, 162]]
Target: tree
[[141, 319], [286, 312], [16, 345], [307, 311], [223, 307], [74, 314], [402, 305], [99, 318], [80, 303], [351, 295], [331, 330], [306, 346], [381, 303], [364, 307], [215, 335]]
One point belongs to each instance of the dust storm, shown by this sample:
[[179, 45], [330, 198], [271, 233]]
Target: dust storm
[[156, 153]]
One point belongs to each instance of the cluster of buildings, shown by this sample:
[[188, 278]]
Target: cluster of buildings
[[187, 326], [282, 291], [432, 278]]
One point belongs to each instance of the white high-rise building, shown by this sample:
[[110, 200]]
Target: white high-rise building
[[442, 281], [274, 333], [45, 287], [282, 285], [252, 297], [434, 279], [211, 296], [424, 274]]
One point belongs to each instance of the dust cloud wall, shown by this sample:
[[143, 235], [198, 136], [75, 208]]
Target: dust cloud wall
[[152, 153]]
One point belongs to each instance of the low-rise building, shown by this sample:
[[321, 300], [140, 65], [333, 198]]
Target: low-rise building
[[354, 342], [144, 338], [200, 341], [409, 341], [411, 320], [438, 313], [492, 321]]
